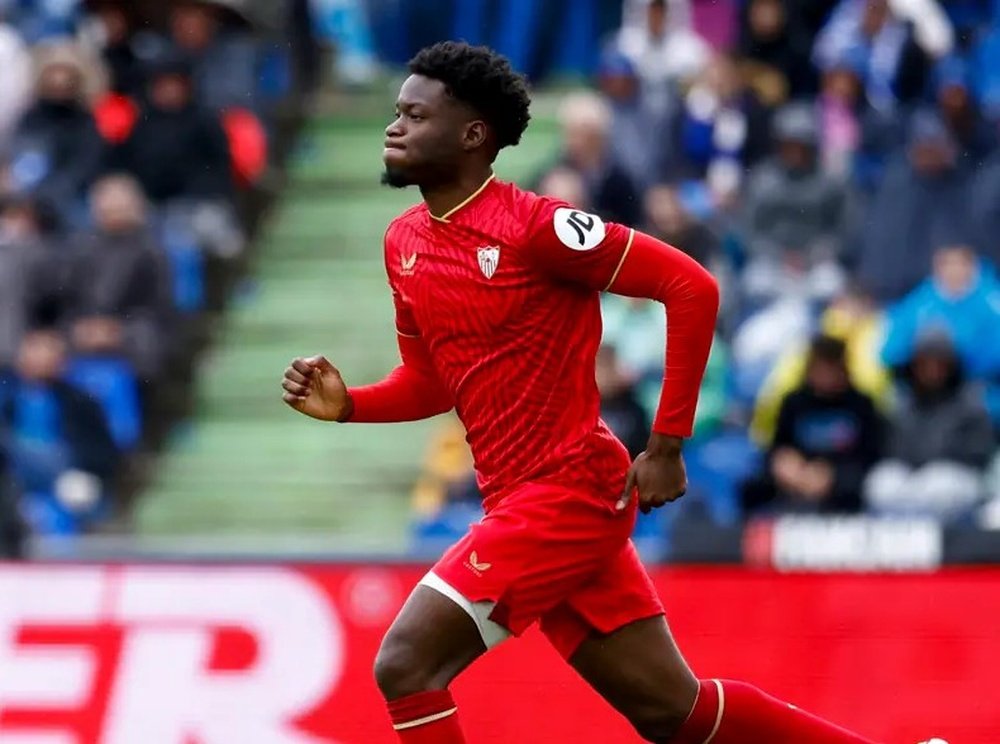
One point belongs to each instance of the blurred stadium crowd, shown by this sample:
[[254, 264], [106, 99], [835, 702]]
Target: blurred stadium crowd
[[837, 168], [835, 163], [136, 144]]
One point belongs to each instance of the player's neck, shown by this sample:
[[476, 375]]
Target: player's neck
[[447, 198]]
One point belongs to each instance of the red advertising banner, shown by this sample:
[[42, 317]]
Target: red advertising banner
[[282, 655]]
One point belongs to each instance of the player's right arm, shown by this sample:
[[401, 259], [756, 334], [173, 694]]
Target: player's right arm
[[412, 391]]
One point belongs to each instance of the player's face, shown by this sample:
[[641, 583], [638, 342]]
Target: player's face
[[424, 142]]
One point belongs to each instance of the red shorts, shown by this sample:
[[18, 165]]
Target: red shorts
[[556, 555]]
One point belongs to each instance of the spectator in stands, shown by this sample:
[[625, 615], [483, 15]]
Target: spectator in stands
[[637, 139], [796, 215], [669, 219], [62, 453], [940, 441], [897, 59], [659, 39], [447, 474], [620, 407], [975, 138], [11, 525], [15, 82], [776, 47], [961, 298], [840, 98], [224, 52], [828, 436], [117, 25], [565, 184], [586, 119], [120, 298], [171, 134], [857, 139], [31, 274], [56, 150], [923, 202], [858, 322], [719, 130], [763, 338]]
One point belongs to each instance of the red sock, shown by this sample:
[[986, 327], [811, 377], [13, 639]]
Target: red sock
[[735, 712], [426, 718]]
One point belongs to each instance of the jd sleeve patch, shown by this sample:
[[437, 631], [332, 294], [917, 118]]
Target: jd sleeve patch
[[578, 230]]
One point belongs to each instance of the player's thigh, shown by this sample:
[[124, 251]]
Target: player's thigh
[[431, 641], [613, 632], [540, 546], [640, 671]]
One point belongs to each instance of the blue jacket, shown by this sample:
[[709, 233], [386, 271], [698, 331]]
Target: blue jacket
[[65, 414], [972, 322]]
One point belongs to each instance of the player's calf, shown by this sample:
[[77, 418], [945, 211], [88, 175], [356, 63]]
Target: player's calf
[[640, 672], [727, 712], [660, 722]]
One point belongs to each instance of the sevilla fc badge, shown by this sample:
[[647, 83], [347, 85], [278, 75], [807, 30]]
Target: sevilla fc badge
[[489, 259]]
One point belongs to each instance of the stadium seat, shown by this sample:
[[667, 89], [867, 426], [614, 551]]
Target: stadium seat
[[247, 145], [430, 535], [716, 468]]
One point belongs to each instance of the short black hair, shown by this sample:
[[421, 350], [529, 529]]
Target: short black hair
[[483, 79]]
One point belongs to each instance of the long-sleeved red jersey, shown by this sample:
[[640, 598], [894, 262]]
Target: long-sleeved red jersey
[[498, 314]]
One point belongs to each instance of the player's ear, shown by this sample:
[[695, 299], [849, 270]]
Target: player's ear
[[475, 134]]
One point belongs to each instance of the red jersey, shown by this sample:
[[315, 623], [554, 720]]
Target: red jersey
[[498, 309]]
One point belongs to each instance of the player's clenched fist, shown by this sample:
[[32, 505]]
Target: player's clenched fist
[[658, 474], [314, 387]]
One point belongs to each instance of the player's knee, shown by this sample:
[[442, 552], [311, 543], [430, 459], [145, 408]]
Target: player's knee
[[661, 721], [399, 671], [396, 672]]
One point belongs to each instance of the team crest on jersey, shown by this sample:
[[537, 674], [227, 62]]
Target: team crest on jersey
[[489, 259]]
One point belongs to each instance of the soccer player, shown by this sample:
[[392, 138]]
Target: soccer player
[[496, 293]]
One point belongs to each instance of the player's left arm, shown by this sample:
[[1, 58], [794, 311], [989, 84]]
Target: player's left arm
[[573, 246], [657, 271]]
